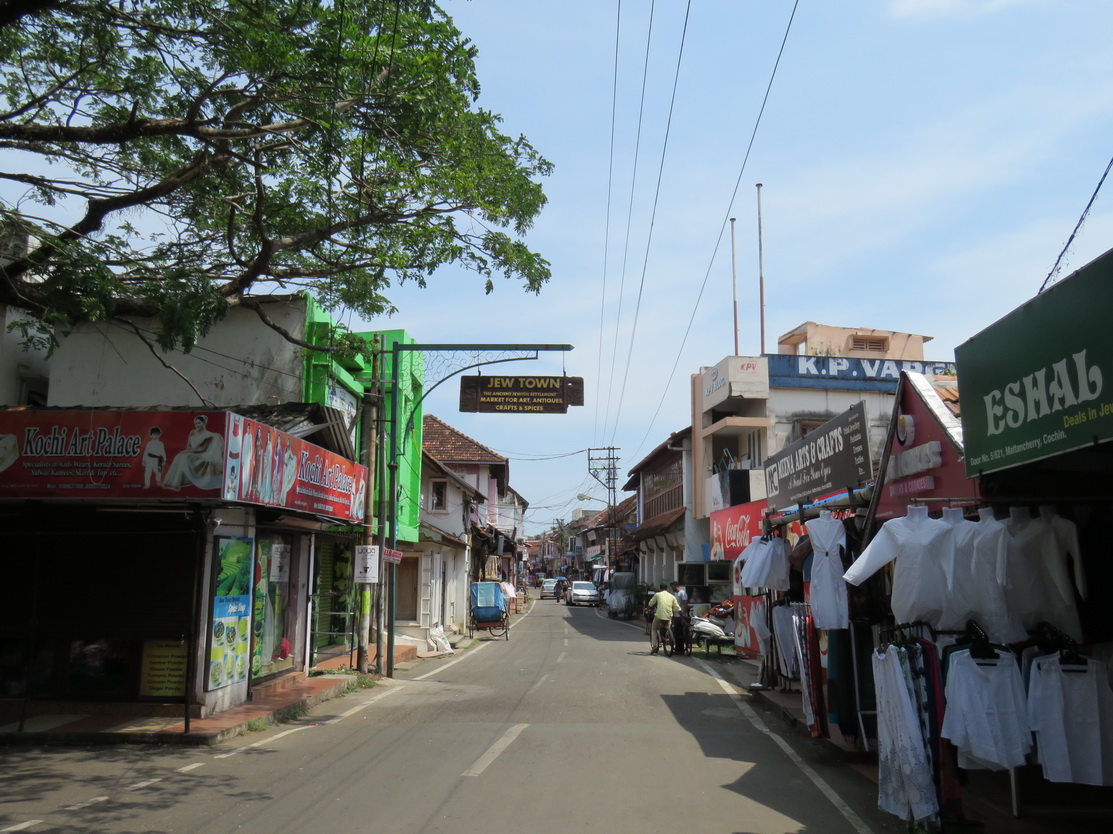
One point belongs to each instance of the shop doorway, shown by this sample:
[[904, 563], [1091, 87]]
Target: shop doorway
[[405, 590]]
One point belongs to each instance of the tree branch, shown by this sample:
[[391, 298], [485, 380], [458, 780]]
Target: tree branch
[[135, 329]]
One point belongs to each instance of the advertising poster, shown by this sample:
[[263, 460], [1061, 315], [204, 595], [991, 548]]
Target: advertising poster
[[275, 469], [163, 673], [230, 633], [142, 454], [112, 454]]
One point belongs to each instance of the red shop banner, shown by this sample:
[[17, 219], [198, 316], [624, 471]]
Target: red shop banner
[[143, 455], [275, 469], [734, 528]]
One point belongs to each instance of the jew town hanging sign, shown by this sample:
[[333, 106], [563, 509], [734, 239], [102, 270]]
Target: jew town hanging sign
[[520, 394]]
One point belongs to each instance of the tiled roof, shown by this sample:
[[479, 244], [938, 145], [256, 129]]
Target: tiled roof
[[448, 445], [660, 523]]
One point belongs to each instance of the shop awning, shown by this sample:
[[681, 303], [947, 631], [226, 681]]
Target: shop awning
[[657, 525]]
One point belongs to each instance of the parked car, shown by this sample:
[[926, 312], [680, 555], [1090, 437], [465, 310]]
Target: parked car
[[549, 588], [583, 593]]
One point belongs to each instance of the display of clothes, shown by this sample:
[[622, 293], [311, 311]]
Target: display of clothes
[[1067, 544], [1038, 583], [784, 633], [906, 787], [976, 583], [1070, 710], [923, 550], [986, 716], [766, 564], [828, 588]]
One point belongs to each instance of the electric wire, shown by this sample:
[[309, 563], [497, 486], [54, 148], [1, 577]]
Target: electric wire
[[652, 220], [722, 227], [1078, 225], [607, 217], [630, 211]]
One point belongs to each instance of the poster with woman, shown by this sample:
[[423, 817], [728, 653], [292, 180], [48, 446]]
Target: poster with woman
[[201, 463]]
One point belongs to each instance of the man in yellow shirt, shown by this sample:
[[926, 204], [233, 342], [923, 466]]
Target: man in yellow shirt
[[664, 605]]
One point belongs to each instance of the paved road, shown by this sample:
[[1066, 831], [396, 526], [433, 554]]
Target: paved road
[[570, 725]]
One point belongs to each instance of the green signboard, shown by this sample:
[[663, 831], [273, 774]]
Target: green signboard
[[1039, 382]]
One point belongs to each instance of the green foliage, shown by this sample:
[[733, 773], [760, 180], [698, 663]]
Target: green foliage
[[170, 157], [236, 562]]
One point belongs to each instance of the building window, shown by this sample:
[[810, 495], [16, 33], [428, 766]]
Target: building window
[[873, 344], [806, 427], [438, 496]]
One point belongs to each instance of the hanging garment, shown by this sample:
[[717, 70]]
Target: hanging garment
[[1070, 709], [986, 717], [942, 755], [811, 674], [1068, 545], [828, 588], [905, 786], [784, 633], [766, 564], [988, 577], [923, 548], [1038, 586], [800, 644], [975, 590], [963, 592]]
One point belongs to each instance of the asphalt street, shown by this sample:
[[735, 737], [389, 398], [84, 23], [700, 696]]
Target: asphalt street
[[569, 725]]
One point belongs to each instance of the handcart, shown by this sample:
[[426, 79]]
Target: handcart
[[487, 609]]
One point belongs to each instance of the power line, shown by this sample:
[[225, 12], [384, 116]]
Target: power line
[[1078, 226], [723, 226], [630, 212], [607, 220]]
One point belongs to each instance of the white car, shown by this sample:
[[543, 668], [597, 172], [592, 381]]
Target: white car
[[549, 588], [583, 592]]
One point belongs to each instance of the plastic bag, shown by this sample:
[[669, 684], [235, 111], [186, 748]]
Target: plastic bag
[[439, 641], [704, 627]]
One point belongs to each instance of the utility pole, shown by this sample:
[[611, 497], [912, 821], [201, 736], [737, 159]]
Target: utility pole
[[602, 464]]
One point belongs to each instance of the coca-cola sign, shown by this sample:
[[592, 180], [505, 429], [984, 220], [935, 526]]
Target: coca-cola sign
[[734, 528]]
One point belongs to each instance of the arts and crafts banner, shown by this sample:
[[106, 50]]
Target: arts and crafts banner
[[147, 454]]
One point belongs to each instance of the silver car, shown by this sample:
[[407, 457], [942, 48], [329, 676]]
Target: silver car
[[583, 592]]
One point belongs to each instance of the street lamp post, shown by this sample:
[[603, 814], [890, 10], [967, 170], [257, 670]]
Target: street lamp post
[[397, 432]]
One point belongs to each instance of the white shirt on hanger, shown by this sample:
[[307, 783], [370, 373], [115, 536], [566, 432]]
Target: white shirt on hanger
[[766, 564], [975, 590], [1071, 711], [828, 589], [1038, 587], [1068, 546], [986, 716], [923, 548]]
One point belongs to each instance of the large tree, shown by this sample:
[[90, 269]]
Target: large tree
[[169, 158]]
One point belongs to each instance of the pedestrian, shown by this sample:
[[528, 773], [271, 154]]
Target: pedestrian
[[664, 606], [511, 594], [680, 620]]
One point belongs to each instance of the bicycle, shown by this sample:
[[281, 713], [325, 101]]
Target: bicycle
[[666, 643]]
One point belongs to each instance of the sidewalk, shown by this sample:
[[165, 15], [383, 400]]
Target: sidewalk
[[78, 723], [84, 723]]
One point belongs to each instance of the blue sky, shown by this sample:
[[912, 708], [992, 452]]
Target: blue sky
[[923, 163]]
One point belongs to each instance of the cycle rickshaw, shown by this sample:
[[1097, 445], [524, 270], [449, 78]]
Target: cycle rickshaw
[[487, 609]]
